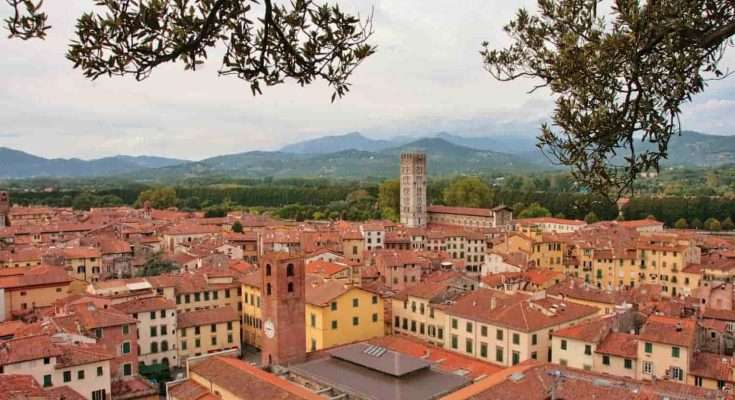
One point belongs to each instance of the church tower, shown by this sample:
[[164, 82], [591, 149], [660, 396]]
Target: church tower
[[4, 209], [283, 312], [413, 190]]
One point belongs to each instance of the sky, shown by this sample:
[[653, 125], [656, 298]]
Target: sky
[[426, 77]]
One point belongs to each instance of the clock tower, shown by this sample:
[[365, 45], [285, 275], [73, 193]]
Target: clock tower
[[283, 312]]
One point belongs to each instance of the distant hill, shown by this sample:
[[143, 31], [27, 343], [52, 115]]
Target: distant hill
[[18, 164], [351, 156], [333, 144], [444, 159]]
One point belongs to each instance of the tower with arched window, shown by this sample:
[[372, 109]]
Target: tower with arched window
[[283, 310], [413, 189]]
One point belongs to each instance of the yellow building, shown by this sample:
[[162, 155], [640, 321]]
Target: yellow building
[[337, 314], [207, 331], [252, 322], [84, 263], [32, 288], [664, 348]]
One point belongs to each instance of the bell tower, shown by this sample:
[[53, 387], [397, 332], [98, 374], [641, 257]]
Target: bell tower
[[413, 190], [283, 312], [4, 209]]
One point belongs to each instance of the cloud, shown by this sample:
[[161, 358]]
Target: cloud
[[426, 77]]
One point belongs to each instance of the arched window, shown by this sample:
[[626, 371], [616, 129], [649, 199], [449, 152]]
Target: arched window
[[290, 287], [268, 289], [289, 270], [154, 347], [164, 345], [267, 270], [164, 361]]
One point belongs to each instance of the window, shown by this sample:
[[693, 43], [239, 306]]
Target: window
[[334, 324], [455, 342], [483, 331], [47, 360], [127, 369], [100, 371], [183, 345], [154, 331], [355, 321], [197, 296], [563, 344], [313, 320], [126, 347], [215, 295], [47, 382], [334, 306], [375, 317], [154, 347], [675, 352], [483, 350], [468, 346], [163, 314], [196, 330], [587, 350], [289, 270], [125, 329], [80, 374], [516, 338], [698, 381], [516, 357], [499, 334], [229, 338], [677, 373], [229, 325], [214, 340], [469, 327], [628, 363], [534, 355], [375, 299], [455, 324], [164, 330], [197, 343], [99, 395], [647, 367], [206, 296], [534, 339], [213, 328], [605, 360], [268, 270], [67, 376], [355, 302], [290, 287], [164, 345], [268, 289], [499, 354], [649, 347]]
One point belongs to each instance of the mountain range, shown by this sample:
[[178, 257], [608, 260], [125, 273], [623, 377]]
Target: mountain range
[[352, 155]]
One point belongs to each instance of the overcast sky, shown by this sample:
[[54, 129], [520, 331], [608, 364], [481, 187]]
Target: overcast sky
[[426, 77]]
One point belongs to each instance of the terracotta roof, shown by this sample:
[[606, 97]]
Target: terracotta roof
[[27, 349], [673, 331], [81, 354], [145, 304], [723, 315], [88, 317], [325, 268], [80, 252], [244, 380], [619, 344], [207, 317], [190, 390], [320, 292], [63, 393], [713, 366], [476, 212], [639, 223], [20, 387], [8, 328], [517, 311], [588, 331], [549, 220], [36, 276]]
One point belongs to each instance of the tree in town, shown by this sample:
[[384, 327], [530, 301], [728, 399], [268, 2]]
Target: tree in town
[[620, 75], [534, 210], [467, 192], [389, 198], [696, 223], [237, 227], [264, 43], [155, 265], [712, 224], [591, 218], [727, 224], [681, 223], [158, 198]]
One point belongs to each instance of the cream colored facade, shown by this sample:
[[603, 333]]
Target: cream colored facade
[[28, 298], [617, 366], [417, 317], [203, 339], [573, 353], [157, 337], [86, 379], [252, 327], [87, 269], [661, 360]]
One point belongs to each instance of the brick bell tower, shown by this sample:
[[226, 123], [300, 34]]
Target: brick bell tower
[[4, 209], [283, 313]]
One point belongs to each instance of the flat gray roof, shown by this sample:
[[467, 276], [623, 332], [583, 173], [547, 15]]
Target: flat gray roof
[[379, 359], [367, 383]]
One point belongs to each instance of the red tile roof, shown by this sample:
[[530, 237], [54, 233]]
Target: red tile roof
[[27, 349], [145, 304], [206, 317], [476, 212], [325, 268], [668, 330], [619, 344], [36, 276], [589, 331]]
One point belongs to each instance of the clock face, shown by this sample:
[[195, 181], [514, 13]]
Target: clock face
[[269, 329]]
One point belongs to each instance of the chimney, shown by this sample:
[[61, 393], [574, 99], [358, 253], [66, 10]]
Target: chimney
[[493, 303], [678, 326]]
